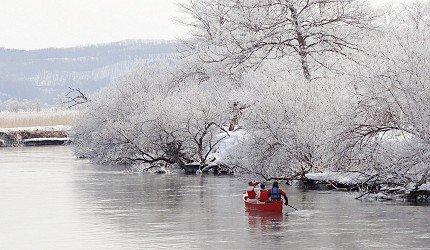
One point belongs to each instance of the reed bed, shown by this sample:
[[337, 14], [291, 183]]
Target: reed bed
[[46, 117]]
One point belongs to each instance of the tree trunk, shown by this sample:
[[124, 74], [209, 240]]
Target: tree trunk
[[303, 53], [236, 113], [233, 123]]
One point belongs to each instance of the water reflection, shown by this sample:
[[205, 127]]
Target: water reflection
[[266, 221], [49, 199]]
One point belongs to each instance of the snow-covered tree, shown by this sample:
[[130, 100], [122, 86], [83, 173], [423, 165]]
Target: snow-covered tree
[[247, 32], [291, 126], [390, 130]]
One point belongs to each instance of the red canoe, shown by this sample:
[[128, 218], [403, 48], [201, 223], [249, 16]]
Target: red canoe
[[272, 206]]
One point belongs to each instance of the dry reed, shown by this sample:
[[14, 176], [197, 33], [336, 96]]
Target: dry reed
[[47, 117]]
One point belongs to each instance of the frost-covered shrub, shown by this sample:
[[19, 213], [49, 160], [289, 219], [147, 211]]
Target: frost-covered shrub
[[389, 132], [290, 125], [150, 117]]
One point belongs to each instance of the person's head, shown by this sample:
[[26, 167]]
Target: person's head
[[251, 183], [275, 184], [262, 186]]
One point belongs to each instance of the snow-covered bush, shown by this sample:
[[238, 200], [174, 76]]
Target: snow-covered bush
[[389, 132], [150, 117], [290, 125]]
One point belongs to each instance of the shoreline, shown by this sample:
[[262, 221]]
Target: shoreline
[[367, 186], [345, 181], [34, 136]]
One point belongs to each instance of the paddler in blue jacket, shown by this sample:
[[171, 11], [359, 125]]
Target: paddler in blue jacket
[[276, 193]]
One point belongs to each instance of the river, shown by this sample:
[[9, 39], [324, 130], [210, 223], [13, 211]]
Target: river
[[51, 200]]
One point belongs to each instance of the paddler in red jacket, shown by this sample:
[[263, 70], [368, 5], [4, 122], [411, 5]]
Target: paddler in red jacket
[[250, 191], [264, 193]]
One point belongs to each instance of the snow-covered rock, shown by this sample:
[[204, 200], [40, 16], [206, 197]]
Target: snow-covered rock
[[346, 178]]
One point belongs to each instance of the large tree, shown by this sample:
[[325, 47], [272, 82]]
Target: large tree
[[247, 32]]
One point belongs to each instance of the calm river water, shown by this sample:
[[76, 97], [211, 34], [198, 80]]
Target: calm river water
[[51, 200]]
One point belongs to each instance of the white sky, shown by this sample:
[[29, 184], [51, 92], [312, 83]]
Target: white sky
[[32, 24]]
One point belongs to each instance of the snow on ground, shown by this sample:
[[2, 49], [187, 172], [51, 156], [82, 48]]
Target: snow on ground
[[346, 178], [46, 139], [38, 128], [232, 139], [424, 187], [392, 189]]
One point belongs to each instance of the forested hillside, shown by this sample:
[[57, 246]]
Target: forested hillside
[[44, 75]]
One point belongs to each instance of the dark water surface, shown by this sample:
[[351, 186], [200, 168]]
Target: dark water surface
[[50, 200]]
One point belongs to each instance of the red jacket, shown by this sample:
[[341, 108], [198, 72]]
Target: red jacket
[[264, 195], [251, 194]]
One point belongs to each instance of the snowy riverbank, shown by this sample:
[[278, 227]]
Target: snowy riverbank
[[370, 186], [34, 136]]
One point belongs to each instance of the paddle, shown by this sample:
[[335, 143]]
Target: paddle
[[286, 203], [293, 207]]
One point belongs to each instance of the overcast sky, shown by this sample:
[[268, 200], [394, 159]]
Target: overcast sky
[[32, 24]]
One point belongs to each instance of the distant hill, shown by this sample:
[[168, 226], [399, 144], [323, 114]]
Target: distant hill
[[46, 74]]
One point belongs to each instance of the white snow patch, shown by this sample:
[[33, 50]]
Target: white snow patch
[[347, 178], [424, 187], [381, 196], [38, 128], [225, 146], [46, 139], [194, 163], [411, 186]]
